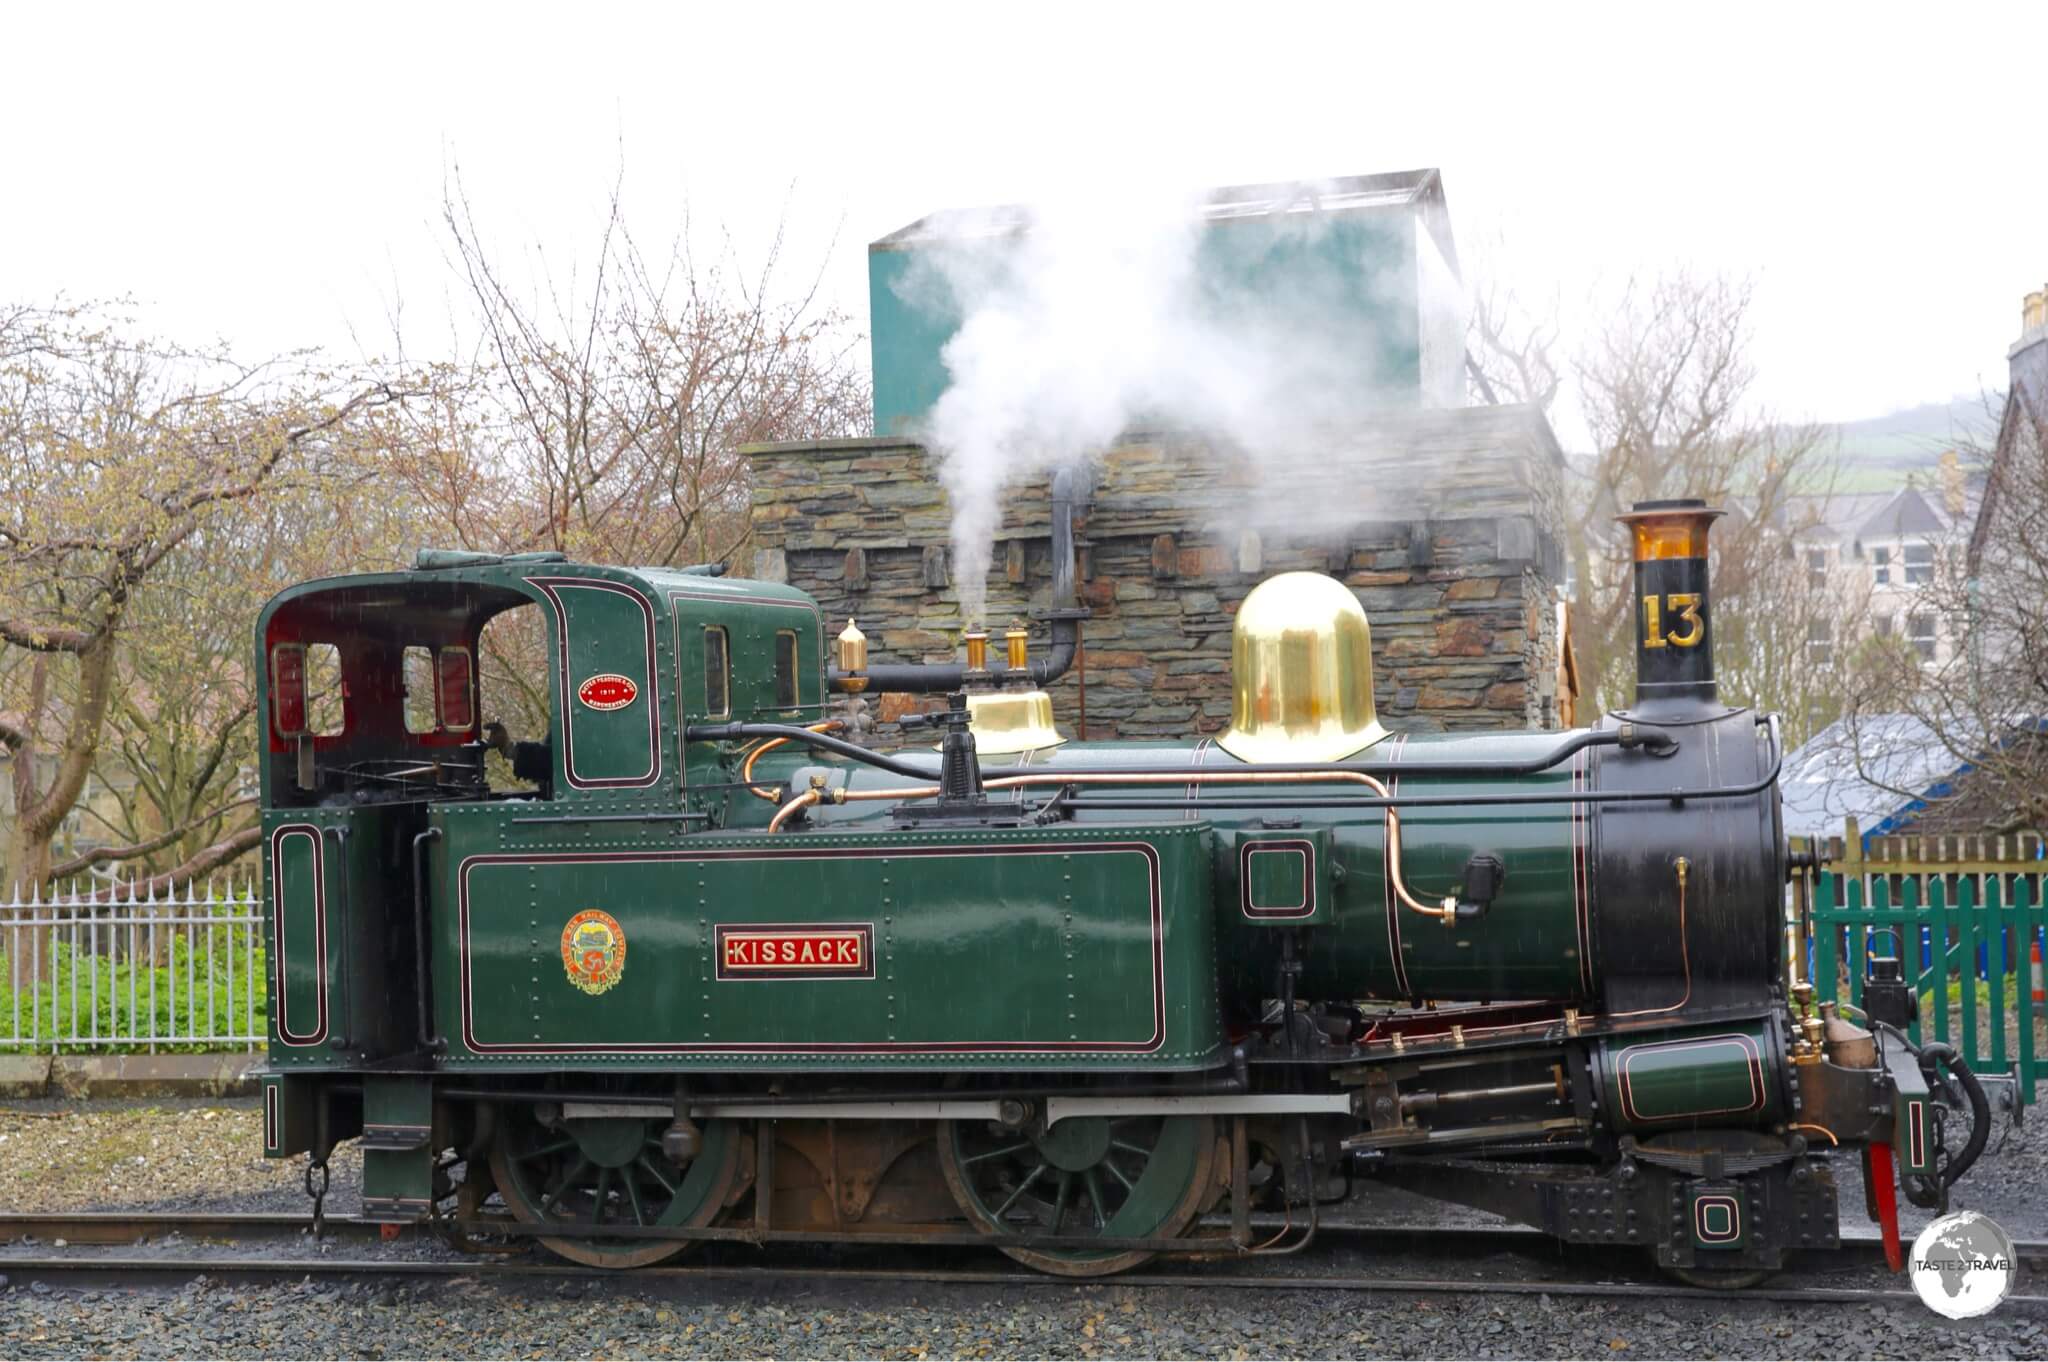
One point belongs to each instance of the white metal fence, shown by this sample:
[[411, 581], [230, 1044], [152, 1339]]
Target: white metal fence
[[122, 970]]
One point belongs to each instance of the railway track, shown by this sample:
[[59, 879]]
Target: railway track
[[85, 1237]]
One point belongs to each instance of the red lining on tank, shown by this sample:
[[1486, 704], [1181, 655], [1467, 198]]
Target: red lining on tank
[[569, 706], [1699, 1218], [1301, 847], [1393, 907], [1150, 853], [1749, 1047], [277, 837], [1579, 905]]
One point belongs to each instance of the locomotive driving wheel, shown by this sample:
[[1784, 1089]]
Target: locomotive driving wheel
[[1720, 1278], [583, 1175], [1126, 1177]]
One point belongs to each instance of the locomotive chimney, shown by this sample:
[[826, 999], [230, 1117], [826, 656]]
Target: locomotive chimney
[[1674, 616]]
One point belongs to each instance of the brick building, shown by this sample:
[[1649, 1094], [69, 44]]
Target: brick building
[[1444, 518], [1445, 522]]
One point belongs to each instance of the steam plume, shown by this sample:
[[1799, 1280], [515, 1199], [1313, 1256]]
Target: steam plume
[[1081, 321]]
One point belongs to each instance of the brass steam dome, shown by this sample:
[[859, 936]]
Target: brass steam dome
[[1301, 673], [1006, 722]]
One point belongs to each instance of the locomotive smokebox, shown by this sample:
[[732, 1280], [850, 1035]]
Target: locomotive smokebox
[[1673, 611]]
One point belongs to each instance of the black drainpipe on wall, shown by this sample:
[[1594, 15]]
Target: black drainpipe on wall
[[1069, 487]]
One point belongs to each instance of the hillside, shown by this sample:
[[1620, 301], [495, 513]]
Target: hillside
[[1883, 452]]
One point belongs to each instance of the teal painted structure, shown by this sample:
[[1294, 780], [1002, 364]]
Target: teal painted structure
[[1352, 261]]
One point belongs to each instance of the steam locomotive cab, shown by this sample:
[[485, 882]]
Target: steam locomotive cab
[[697, 951]]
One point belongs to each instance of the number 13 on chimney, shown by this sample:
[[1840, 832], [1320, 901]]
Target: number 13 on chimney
[[1683, 604]]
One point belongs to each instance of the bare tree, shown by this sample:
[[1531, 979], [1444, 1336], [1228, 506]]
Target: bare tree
[[1984, 703], [119, 453], [604, 417], [1665, 386], [1510, 347]]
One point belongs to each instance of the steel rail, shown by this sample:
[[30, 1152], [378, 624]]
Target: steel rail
[[123, 1227], [98, 1266]]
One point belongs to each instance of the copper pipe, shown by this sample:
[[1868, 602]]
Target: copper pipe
[[792, 809], [1444, 912], [747, 767]]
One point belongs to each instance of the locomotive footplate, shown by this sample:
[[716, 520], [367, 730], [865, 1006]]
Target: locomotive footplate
[[1695, 1209]]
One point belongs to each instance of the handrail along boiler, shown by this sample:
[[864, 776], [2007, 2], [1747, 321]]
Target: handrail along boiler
[[716, 967]]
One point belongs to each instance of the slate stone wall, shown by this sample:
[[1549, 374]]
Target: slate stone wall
[[1444, 522]]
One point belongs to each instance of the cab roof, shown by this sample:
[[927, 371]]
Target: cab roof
[[460, 566]]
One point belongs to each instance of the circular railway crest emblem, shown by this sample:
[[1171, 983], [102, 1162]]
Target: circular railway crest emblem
[[1962, 1265], [594, 950]]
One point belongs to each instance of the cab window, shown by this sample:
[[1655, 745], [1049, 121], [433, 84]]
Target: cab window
[[326, 693], [785, 670], [512, 664], [455, 690], [717, 674], [417, 663]]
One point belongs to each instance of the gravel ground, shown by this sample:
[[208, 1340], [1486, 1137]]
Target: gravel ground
[[788, 1318], [199, 1155]]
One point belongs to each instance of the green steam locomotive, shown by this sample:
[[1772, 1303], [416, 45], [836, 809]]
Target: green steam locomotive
[[713, 966]]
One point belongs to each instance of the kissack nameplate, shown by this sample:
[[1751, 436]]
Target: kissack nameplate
[[830, 950]]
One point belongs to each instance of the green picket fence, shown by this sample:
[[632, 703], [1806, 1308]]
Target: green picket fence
[[1964, 915]]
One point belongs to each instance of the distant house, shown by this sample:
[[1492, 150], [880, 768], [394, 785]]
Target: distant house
[[2016, 452], [1877, 551], [1892, 773]]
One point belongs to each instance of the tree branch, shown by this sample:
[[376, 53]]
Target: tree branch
[[212, 858], [40, 640], [102, 855]]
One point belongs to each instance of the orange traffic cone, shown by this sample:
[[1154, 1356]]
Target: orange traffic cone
[[2034, 950]]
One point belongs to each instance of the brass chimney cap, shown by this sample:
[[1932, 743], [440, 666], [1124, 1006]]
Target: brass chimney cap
[[1301, 673]]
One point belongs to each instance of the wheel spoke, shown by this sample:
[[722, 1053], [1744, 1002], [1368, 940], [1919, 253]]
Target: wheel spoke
[[655, 1173], [1130, 1148], [633, 1195], [1029, 1178], [1118, 1173], [567, 1142], [561, 1188], [603, 1193], [1059, 1204], [1093, 1180], [996, 1153]]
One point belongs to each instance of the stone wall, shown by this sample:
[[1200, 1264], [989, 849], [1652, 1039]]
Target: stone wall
[[1444, 522]]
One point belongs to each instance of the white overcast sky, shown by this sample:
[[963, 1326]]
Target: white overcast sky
[[271, 174]]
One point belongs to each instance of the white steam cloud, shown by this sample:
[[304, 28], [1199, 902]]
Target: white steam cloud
[[1082, 321]]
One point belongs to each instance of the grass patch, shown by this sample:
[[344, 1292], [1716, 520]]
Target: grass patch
[[201, 990]]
